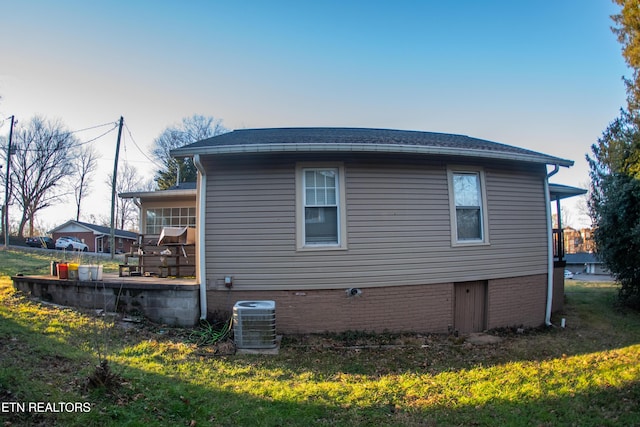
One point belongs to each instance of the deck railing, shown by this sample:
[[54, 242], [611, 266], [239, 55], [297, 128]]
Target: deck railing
[[558, 245]]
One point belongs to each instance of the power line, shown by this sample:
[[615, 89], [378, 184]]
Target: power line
[[139, 149], [115, 125], [5, 119], [99, 136], [79, 144]]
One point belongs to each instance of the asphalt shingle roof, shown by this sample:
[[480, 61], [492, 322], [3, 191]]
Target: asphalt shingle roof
[[106, 230], [582, 258], [360, 139]]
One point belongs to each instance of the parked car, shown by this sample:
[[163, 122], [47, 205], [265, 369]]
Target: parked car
[[71, 243], [568, 274], [40, 242]]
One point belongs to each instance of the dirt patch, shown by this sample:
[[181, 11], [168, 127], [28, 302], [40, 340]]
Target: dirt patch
[[483, 339]]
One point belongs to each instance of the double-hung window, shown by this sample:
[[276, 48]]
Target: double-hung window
[[321, 214], [468, 212]]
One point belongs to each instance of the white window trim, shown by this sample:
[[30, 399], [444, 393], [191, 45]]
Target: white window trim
[[145, 222], [300, 211], [451, 170]]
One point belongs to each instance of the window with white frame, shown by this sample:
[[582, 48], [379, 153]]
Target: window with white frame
[[321, 216], [468, 212]]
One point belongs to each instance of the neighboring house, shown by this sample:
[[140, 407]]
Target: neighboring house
[[584, 262], [573, 241], [577, 241], [96, 237], [370, 229]]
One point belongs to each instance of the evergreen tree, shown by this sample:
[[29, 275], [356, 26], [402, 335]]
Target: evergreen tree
[[614, 201], [628, 31]]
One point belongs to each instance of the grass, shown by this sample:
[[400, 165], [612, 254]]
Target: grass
[[37, 261], [587, 374]]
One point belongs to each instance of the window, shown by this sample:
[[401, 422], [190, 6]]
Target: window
[[158, 218], [468, 215], [320, 208]]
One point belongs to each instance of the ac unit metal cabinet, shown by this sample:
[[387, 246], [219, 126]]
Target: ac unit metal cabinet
[[254, 324]]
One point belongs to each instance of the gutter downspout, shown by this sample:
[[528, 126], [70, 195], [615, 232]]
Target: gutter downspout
[[547, 200], [201, 271]]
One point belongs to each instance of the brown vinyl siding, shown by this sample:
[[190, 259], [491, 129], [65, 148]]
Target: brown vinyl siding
[[398, 226]]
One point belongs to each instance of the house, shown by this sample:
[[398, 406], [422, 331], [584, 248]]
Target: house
[[376, 230], [585, 262], [577, 241], [96, 237]]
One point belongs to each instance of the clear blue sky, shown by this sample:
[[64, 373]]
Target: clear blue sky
[[543, 75]]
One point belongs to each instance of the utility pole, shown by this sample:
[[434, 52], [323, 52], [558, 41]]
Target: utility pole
[[7, 185], [112, 239]]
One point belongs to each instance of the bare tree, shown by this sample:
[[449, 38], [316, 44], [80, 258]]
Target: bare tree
[[191, 129], [86, 164], [42, 161], [127, 180], [102, 220]]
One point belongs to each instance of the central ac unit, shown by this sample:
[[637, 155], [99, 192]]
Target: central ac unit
[[254, 324]]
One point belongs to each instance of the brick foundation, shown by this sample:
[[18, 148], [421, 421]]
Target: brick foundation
[[427, 308], [394, 309], [517, 301]]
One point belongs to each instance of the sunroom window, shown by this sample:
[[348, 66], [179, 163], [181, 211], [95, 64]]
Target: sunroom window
[[157, 218]]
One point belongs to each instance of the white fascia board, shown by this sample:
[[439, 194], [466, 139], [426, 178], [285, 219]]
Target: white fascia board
[[161, 194], [370, 148]]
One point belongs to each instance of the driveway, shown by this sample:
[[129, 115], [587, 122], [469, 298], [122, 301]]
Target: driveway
[[593, 277]]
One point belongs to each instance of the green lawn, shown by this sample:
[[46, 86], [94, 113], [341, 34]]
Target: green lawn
[[587, 374], [38, 261]]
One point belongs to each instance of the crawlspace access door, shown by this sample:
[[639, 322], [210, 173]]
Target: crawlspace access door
[[470, 312]]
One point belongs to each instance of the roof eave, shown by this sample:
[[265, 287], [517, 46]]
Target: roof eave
[[559, 191], [159, 194], [369, 148]]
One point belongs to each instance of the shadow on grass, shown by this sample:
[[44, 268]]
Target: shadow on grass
[[607, 406], [36, 366], [593, 325], [146, 398]]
